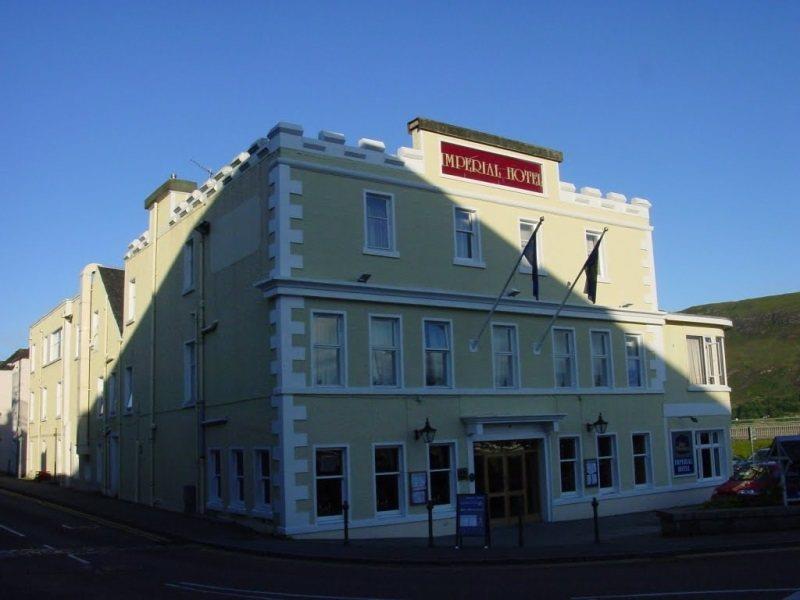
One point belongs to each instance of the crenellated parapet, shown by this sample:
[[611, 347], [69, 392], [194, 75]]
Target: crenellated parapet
[[613, 201]]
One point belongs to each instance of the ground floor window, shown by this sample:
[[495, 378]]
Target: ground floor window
[[440, 468], [606, 461], [641, 458], [569, 462], [387, 479], [330, 481], [709, 458], [262, 478], [214, 476], [237, 478]]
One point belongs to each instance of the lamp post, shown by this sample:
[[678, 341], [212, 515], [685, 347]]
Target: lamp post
[[428, 434]]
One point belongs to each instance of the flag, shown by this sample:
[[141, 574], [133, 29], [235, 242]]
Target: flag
[[592, 263], [529, 253]]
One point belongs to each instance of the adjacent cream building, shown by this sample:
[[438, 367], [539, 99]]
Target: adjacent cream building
[[288, 326]]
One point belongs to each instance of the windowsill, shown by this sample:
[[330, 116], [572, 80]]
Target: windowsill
[[501, 388], [379, 252], [468, 262], [603, 388], [606, 491], [570, 495], [603, 280], [129, 321], [214, 504], [439, 387], [566, 387], [443, 508], [188, 404], [237, 508], [187, 291], [263, 511], [55, 360], [332, 386], [388, 514], [386, 387], [707, 388], [331, 519]]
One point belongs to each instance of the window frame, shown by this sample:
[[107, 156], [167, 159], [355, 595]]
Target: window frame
[[128, 390], [609, 358], [602, 267], [514, 354], [236, 503], [100, 396], [43, 403], [614, 488], [574, 356], [453, 470], [640, 357], [215, 501], [260, 504], [398, 320], [130, 300], [59, 398], [719, 445], [51, 344], [402, 500], [188, 265], [451, 379], [713, 362], [523, 266], [345, 477], [577, 467], [392, 251], [648, 459], [342, 352], [189, 374], [111, 394], [477, 250]]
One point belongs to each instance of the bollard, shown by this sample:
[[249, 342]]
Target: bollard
[[346, 511], [595, 504], [429, 506], [521, 540]]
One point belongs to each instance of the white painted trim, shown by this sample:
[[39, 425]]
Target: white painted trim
[[695, 409], [611, 378], [399, 366], [337, 519], [642, 358], [392, 251], [707, 388], [236, 506], [312, 341], [517, 375], [339, 290], [575, 371], [529, 202], [602, 274], [456, 391], [477, 250], [216, 502], [453, 443], [698, 320], [579, 489], [539, 245], [451, 383], [260, 508], [649, 463], [402, 496], [664, 489]]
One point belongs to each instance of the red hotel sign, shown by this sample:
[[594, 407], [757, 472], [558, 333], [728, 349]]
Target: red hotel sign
[[471, 163]]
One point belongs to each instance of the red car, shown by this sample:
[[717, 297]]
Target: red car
[[755, 481]]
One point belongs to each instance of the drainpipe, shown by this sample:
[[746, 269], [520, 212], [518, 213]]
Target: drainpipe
[[200, 402], [153, 307]]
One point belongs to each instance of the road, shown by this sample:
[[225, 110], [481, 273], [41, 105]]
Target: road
[[47, 552]]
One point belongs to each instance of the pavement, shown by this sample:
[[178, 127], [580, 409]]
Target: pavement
[[622, 537]]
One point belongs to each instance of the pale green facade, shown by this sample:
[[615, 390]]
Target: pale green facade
[[241, 291]]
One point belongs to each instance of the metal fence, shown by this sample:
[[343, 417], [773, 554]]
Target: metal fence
[[766, 431]]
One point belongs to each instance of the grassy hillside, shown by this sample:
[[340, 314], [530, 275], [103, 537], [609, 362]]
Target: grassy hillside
[[763, 351]]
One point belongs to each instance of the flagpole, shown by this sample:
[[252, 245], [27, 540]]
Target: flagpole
[[537, 347], [473, 343]]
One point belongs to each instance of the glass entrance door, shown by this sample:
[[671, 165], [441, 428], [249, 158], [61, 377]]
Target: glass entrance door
[[508, 473]]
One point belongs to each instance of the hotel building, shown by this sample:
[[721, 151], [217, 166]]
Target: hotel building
[[290, 324]]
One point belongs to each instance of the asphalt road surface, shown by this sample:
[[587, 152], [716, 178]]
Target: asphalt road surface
[[49, 552]]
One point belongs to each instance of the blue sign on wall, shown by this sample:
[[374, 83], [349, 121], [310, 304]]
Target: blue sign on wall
[[682, 453], [471, 512]]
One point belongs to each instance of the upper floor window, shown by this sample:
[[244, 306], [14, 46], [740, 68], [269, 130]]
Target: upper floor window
[[504, 347], [32, 407], [43, 410], [526, 229], [564, 357], [33, 357], [328, 349], [94, 329], [634, 360], [77, 341], [384, 342], [131, 300], [601, 358], [99, 396], [127, 389], [592, 237], [55, 345], [379, 223], [188, 266], [59, 399], [437, 353], [467, 236], [189, 373], [706, 360], [112, 394]]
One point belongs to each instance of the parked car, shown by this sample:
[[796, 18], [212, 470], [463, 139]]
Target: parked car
[[756, 482]]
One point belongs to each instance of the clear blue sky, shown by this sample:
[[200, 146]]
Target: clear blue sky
[[694, 105]]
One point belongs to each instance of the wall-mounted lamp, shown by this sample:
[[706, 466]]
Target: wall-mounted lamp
[[513, 292], [600, 425], [427, 433], [364, 277]]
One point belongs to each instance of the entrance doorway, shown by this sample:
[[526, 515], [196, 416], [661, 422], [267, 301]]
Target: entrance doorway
[[508, 473]]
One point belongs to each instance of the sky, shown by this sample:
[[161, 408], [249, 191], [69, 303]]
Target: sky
[[692, 105]]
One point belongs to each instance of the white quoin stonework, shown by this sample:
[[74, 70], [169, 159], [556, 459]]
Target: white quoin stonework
[[281, 215]]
